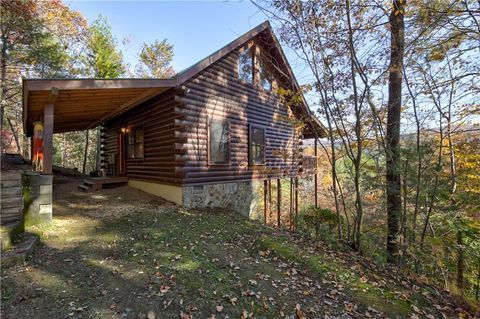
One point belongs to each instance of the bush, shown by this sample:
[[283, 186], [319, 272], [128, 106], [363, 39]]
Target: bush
[[312, 219]]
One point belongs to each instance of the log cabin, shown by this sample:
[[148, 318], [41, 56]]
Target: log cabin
[[211, 136]]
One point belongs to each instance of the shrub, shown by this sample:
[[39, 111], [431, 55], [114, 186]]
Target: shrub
[[312, 219]]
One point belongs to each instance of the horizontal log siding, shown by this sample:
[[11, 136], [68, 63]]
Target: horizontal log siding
[[216, 92], [158, 117]]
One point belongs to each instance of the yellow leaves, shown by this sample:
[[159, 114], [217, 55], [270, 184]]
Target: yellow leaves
[[398, 7]]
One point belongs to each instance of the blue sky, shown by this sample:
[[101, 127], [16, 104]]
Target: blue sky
[[195, 28]]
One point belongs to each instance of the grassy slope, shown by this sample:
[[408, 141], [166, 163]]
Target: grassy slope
[[100, 260]]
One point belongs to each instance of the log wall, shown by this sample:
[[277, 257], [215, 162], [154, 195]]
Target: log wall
[[175, 130], [161, 151], [217, 93]]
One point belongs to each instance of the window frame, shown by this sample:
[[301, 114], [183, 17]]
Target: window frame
[[264, 72], [251, 127], [209, 139], [133, 130], [250, 49], [259, 64]]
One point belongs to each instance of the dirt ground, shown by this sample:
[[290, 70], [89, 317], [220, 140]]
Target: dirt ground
[[121, 253]]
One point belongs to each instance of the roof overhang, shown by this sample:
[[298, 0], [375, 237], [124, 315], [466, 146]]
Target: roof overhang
[[85, 103]]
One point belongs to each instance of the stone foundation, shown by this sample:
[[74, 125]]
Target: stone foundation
[[242, 197], [37, 198], [245, 198]]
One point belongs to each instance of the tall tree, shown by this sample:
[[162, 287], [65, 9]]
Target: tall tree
[[28, 48], [155, 60], [103, 59], [394, 200]]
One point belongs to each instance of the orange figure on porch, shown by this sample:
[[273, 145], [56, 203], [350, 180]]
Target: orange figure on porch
[[37, 146]]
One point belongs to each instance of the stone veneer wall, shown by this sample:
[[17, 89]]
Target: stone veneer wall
[[242, 197]]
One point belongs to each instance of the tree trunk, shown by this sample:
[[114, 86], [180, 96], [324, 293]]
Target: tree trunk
[[477, 290], [3, 79], [394, 200], [85, 153], [460, 260], [357, 158], [15, 135]]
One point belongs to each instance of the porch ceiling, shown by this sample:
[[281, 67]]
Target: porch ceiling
[[85, 103]]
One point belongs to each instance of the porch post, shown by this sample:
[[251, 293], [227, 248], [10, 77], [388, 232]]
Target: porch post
[[48, 132], [37, 188], [265, 206], [316, 175], [279, 201], [48, 139]]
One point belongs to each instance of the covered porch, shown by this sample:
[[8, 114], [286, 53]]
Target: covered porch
[[66, 105], [79, 104]]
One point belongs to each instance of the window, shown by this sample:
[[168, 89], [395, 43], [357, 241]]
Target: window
[[135, 143], [256, 145], [245, 66], [265, 80], [219, 142]]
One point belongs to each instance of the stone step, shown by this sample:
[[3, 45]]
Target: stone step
[[9, 202], [10, 183], [20, 251], [10, 196], [11, 176], [8, 191], [9, 233], [11, 214]]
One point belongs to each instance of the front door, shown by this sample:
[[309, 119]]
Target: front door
[[121, 141]]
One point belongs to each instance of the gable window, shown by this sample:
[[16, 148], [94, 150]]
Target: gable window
[[219, 141], [245, 66], [265, 79], [135, 142], [256, 145]]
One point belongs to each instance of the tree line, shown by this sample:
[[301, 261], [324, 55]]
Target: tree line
[[47, 39], [397, 87]]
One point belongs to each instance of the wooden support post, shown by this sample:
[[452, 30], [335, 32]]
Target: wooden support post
[[265, 190], [270, 191], [291, 204], [31, 149], [316, 175], [279, 201], [296, 197], [48, 139], [48, 132]]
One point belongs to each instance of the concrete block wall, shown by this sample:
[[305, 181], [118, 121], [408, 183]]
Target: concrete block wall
[[37, 198]]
